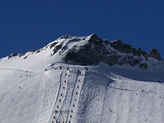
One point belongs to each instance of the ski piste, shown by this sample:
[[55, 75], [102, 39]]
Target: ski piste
[[65, 107]]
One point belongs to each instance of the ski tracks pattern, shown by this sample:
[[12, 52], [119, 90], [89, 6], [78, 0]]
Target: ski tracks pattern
[[65, 106]]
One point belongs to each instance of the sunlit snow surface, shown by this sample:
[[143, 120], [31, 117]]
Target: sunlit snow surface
[[103, 95], [42, 89]]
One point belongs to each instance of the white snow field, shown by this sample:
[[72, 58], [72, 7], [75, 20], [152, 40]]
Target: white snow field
[[40, 88]]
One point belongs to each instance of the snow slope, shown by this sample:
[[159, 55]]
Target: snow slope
[[96, 95], [41, 88]]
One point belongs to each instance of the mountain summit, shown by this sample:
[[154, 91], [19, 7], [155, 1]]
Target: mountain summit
[[89, 50], [82, 80]]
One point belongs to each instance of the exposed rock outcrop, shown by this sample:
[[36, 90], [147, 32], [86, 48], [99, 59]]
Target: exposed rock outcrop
[[96, 51], [154, 53]]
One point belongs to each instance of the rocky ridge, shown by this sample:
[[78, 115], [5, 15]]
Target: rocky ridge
[[111, 53], [95, 50]]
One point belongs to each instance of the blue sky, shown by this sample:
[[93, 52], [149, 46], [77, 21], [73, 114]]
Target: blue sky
[[31, 24]]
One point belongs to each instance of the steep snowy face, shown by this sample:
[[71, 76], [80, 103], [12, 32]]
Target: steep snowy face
[[89, 50]]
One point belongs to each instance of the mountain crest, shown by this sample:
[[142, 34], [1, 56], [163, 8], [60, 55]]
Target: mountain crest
[[92, 50], [96, 50]]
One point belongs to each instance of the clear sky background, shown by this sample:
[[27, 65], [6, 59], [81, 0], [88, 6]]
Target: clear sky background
[[31, 24]]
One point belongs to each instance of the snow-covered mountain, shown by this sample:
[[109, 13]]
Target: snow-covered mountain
[[82, 80]]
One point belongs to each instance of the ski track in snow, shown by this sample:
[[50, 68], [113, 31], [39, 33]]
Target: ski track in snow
[[71, 81]]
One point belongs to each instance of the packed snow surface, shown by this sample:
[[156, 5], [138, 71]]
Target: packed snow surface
[[40, 88], [79, 94]]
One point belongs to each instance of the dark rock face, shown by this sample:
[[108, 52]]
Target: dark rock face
[[121, 46], [14, 55], [126, 48], [53, 44], [96, 51], [94, 38], [85, 56], [155, 54], [57, 47]]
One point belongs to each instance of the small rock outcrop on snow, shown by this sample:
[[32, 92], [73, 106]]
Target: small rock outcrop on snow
[[154, 53]]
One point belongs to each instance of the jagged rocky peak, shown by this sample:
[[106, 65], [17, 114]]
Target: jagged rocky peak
[[96, 50], [154, 53], [126, 48], [92, 50], [93, 38]]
